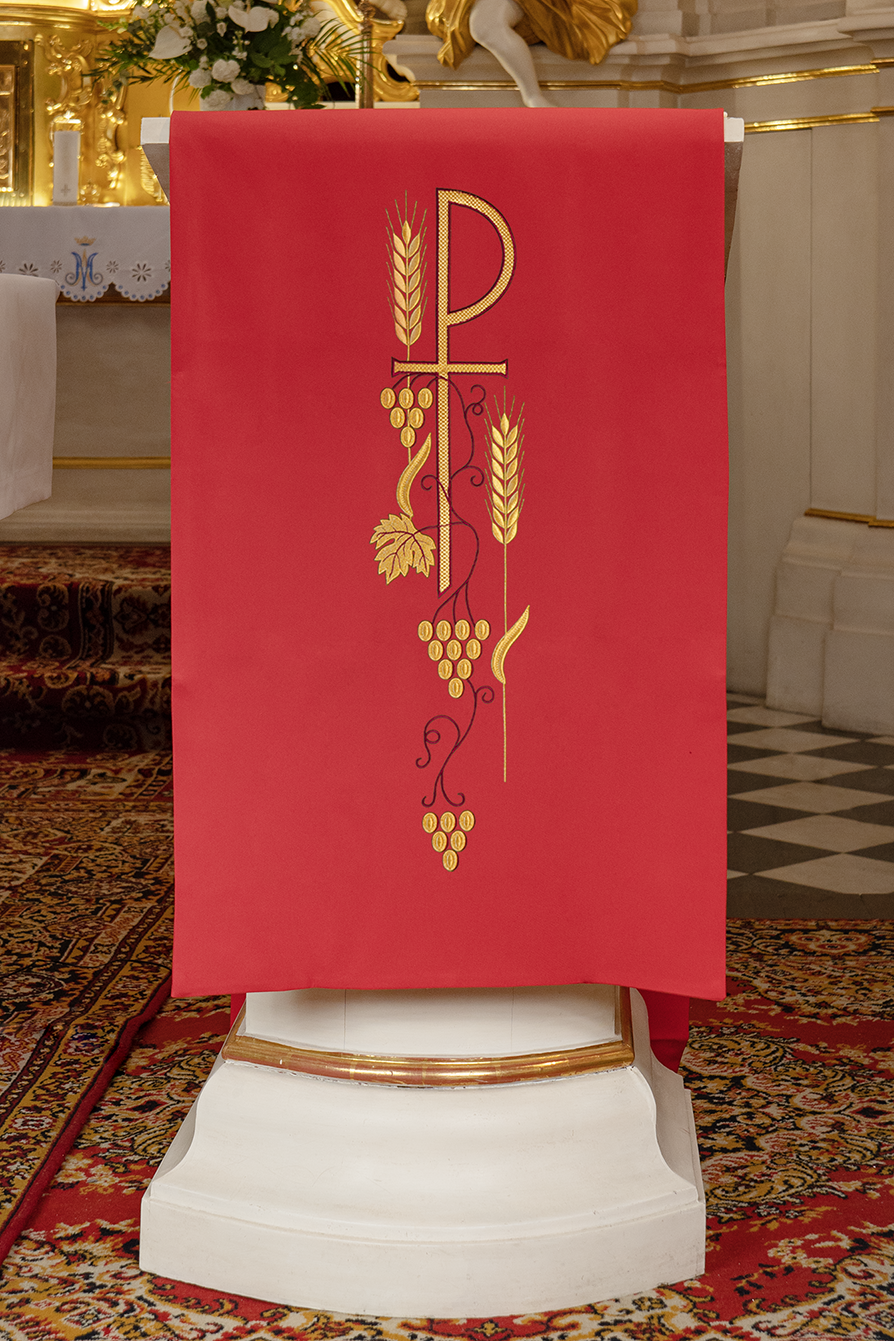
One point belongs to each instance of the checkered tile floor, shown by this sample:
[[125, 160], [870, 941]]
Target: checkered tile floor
[[811, 817]]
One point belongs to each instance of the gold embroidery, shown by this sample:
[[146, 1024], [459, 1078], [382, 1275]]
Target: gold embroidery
[[409, 475], [448, 834], [497, 661], [454, 645], [505, 643], [506, 492], [407, 281], [506, 498], [442, 367], [400, 547]]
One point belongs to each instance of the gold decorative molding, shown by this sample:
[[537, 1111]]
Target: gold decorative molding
[[863, 519], [664, 85], [423, 1072], [111, 462], [784, 77], [808, 122]]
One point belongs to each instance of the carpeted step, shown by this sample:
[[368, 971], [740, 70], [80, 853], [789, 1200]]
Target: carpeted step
[[85, 638]]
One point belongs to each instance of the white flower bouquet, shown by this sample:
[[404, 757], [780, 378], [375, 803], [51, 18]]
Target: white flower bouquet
[[229, 51]]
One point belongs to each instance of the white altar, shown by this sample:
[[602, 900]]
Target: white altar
[[88, 249], [27, 390], [111, 269]]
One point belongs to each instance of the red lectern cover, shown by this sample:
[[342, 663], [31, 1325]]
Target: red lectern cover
[[449, 543]]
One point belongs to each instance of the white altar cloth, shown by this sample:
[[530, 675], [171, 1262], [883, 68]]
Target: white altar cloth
[[27, 390], [88, 248]]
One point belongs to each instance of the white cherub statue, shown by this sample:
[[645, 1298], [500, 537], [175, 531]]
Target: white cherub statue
[[580, 30], [576, 29]]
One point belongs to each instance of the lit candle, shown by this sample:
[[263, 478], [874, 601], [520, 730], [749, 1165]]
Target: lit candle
[[66, 161]]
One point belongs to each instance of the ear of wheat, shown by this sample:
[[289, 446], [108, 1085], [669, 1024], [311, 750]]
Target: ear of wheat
[[505, 500], [506, 478], [406, 255]]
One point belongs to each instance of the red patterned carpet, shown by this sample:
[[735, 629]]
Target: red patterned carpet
[[791, 1078], [85, 929], [85, 646]]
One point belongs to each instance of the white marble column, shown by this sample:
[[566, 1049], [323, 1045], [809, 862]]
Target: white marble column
[[831, 648]]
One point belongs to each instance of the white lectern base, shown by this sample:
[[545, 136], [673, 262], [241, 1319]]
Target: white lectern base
[[432, 1198]]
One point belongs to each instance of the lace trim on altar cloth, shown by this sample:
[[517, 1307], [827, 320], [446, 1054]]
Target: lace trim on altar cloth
[[88, 249]]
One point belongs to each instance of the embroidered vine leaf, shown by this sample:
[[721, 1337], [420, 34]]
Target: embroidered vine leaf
[[400, 547], [505, 643]]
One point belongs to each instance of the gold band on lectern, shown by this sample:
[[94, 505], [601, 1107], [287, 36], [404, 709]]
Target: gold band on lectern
[[863, 518], [371, 1069], [111, 463]]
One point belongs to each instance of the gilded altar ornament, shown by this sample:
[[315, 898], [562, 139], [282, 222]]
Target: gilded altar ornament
[[454, 635]]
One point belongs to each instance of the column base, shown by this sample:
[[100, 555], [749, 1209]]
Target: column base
[[433, 1199], [832, 635]]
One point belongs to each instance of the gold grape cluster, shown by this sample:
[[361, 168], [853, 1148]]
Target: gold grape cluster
[[455, 648], [407, 411], [448, 834]]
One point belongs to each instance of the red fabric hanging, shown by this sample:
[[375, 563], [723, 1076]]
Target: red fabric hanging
[[559, 508]]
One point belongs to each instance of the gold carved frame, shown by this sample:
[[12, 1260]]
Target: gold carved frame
[[16, 121]]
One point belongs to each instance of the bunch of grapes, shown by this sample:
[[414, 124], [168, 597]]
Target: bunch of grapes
[[446, 647], [448, 834], [407, 411]]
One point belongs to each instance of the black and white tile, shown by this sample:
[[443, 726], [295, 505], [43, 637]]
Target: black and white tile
[[811, 817]]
